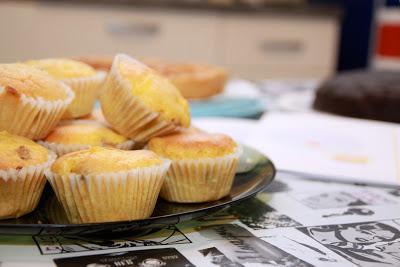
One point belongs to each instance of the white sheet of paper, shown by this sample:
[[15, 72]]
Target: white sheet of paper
[[348, 149], [326, 146]]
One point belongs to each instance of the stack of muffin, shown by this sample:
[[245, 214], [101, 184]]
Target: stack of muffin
[[97, 177]]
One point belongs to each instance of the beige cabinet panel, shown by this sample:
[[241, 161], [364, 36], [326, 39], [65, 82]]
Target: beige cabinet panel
[[281, 41], [261, 72], [253, 46], [45, 30]]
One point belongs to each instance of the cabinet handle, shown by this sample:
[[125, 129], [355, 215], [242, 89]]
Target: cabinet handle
[[281, 46], [146, 29]]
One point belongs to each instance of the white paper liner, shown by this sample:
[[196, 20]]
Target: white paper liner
[[20, 190], [86, 91], [61, 149], [31, 117], [125, 112], [119, 196], [200, 180]]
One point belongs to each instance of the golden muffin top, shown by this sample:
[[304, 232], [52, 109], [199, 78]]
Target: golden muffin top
[[17, 152], [17, 79], [98, 160], [156, 92], [84, 133], [62, 68], [192, 145]]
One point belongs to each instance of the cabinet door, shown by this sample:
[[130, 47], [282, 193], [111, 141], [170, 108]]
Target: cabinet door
[[283, 43], [48, 30]]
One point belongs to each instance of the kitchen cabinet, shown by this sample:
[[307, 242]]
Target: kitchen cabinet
[[254, 46]]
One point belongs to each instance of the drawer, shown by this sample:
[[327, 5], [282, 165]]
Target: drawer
[[281, 41], [94, 30]]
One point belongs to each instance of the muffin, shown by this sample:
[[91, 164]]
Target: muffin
[[139, 103], [203, 165], [106, 184], [194, 81], [22, 166], [31, 101], [72, 136], [82, 78]]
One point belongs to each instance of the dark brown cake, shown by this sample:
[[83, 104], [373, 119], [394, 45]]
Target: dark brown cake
[[362, 94]]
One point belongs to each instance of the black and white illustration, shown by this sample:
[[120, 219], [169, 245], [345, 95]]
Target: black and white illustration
[[367, 244], [341, 199], [307, 248], [258, 215], [217, 258], [349, 212], [167, 257], [394, 192], [59, 244], [241, 246]]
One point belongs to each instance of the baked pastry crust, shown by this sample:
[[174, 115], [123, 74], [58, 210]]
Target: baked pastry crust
[[194, 81]]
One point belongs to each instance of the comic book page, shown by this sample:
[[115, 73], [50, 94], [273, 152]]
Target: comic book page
[[294, 222]]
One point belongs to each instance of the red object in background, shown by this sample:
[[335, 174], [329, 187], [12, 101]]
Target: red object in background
[[389, 40]]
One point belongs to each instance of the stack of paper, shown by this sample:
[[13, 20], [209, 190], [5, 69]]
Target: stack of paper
[[329, 147]]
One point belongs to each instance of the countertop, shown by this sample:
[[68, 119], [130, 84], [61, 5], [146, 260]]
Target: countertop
[[306, 9]]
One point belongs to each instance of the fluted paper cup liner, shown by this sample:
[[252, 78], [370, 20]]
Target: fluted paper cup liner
[[61, 149], [126, 113], [21, 189], [86, 91], [119, 196], [31, 117], [200, 180]]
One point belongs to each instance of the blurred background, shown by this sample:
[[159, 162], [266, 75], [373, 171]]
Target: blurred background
[[269, 42]]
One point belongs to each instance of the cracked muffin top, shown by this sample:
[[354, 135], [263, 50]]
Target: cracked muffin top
[[20, 79]]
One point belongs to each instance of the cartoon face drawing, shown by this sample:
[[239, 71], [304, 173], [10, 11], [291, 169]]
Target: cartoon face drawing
[[369, 233]]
